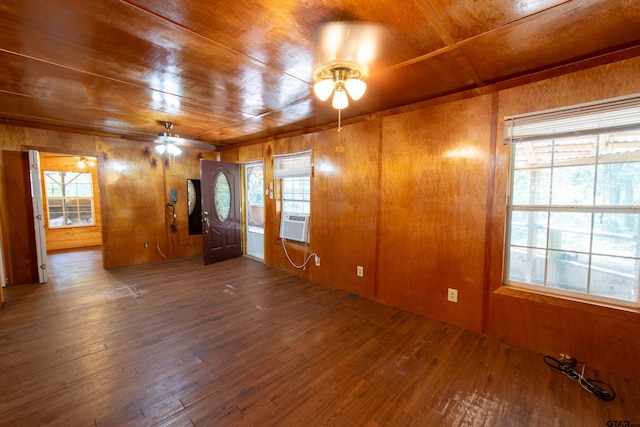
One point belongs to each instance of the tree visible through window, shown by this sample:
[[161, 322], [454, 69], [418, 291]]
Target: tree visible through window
[[69, 197], [574, 214]]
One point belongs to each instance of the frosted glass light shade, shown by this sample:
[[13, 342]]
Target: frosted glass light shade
[[323, 89], [172, 149], [161, 148], [340, 99], [355, 88]]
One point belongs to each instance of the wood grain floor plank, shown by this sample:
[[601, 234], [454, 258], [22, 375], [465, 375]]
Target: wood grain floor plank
[[237, 343]]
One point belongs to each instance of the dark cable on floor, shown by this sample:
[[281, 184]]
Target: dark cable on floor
[[567, 366]]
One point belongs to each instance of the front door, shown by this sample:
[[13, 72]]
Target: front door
[[221, 221]]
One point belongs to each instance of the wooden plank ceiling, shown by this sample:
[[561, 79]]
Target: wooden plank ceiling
[[235, 71]]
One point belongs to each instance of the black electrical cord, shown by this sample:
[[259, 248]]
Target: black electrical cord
[[174, 219], [601, 389]]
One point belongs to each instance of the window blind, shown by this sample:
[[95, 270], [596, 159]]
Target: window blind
[[292, 165], [612, 115]]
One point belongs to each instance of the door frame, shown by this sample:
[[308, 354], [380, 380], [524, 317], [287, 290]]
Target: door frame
[[99, 160], [246, 208]]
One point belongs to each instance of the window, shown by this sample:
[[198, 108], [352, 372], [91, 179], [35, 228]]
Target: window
[[254, 178], [574, 206], [69, 198], [296, 194], [295, 172]]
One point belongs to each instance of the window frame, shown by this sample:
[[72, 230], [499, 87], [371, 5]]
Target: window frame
[[550, 208], [305, 200], [289, 169], [64, 199]]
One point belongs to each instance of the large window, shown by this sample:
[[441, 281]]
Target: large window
[[574, 206], [69, 198]]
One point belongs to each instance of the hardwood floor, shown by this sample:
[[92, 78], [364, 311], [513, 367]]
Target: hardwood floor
[[238, 343]]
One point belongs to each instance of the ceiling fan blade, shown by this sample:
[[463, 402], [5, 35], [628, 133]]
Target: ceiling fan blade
[[195, 145], [349, 41], [167, 137], [186, 144]]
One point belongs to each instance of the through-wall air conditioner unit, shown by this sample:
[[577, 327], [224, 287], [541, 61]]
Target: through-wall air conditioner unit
[[295, 226]]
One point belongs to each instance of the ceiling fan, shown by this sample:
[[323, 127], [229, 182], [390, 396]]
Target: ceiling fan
[[346, 49], [167, 142]]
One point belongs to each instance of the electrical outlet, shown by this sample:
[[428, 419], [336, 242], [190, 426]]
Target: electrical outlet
[[360, 271], [146, 244], [317, 261], [452, 295]]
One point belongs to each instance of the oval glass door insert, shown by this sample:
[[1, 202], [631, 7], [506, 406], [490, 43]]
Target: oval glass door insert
[[222, 197], [191, 196]]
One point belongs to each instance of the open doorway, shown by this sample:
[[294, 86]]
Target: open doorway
[[35, 210], [71, 202]]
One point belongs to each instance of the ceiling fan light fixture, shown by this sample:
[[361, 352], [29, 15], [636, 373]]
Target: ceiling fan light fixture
[[355, 88], [340, 99], [84, 162], [166, 141], [173, 150], [323, 89], [168, 138], [343, 79]]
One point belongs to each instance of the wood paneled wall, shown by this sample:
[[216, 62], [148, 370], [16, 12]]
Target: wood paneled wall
[[19, 248], [433, 203], [605, 337], [416, 198], [345, 205], [134, 191], [404, 197], [419, 200], [135, 186]]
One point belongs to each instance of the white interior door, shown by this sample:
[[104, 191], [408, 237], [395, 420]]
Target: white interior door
[[38, 215]]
